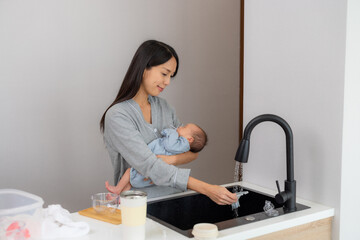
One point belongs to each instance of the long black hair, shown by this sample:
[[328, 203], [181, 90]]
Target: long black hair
[[150, 53]]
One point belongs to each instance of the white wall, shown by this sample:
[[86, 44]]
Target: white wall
[[349, 210], [294, 67], [62, 63]]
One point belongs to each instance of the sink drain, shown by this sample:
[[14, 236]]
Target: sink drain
[[250, 218]]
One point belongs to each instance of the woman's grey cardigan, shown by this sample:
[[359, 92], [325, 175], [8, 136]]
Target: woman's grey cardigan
[[126, 136]]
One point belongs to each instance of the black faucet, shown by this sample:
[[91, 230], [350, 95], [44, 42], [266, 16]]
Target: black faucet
[[287, 197]]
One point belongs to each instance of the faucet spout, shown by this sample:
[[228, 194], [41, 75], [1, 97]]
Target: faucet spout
[[287, 197]]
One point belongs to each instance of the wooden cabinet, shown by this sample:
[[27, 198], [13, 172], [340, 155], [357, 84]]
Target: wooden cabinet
[[317, 230]]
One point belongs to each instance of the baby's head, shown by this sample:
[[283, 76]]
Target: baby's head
[[195, 135]]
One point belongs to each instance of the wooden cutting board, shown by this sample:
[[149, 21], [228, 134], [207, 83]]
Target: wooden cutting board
[[114, 218]]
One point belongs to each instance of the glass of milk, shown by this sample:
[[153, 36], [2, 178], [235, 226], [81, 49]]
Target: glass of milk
[[133, 214]]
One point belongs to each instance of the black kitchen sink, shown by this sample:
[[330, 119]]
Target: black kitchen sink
[[183, 212]]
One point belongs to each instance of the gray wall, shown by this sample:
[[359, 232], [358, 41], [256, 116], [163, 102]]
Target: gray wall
[[61, 64], [294, 67]]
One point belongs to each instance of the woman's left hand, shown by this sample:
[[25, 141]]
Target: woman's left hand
[[169, 159], [179, 159]]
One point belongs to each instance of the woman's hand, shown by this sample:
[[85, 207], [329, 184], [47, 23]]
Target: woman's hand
[[169, 159], [179, 159], [218, 194], [221, 195]]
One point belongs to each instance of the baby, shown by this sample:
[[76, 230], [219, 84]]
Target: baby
[[173, 141]]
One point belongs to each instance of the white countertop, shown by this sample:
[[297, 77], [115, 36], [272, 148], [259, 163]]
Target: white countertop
[[156, 231]]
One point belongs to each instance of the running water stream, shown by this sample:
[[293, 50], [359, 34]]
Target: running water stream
[[236, 188], [236, 176]]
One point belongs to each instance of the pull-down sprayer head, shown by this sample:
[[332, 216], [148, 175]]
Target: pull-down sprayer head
[[242, 154]]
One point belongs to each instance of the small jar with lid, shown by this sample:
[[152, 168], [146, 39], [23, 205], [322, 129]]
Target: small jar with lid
[[205, 231]]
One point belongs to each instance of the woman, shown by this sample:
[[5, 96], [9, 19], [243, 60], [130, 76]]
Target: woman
[[137, 116]]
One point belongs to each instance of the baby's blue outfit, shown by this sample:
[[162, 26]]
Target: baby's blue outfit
[[169, 144]]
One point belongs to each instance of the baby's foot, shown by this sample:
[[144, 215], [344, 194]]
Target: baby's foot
[[127, 187], [112, 189]]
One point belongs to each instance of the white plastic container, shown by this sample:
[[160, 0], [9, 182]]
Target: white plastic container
[[15, 202], [205, 231]]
